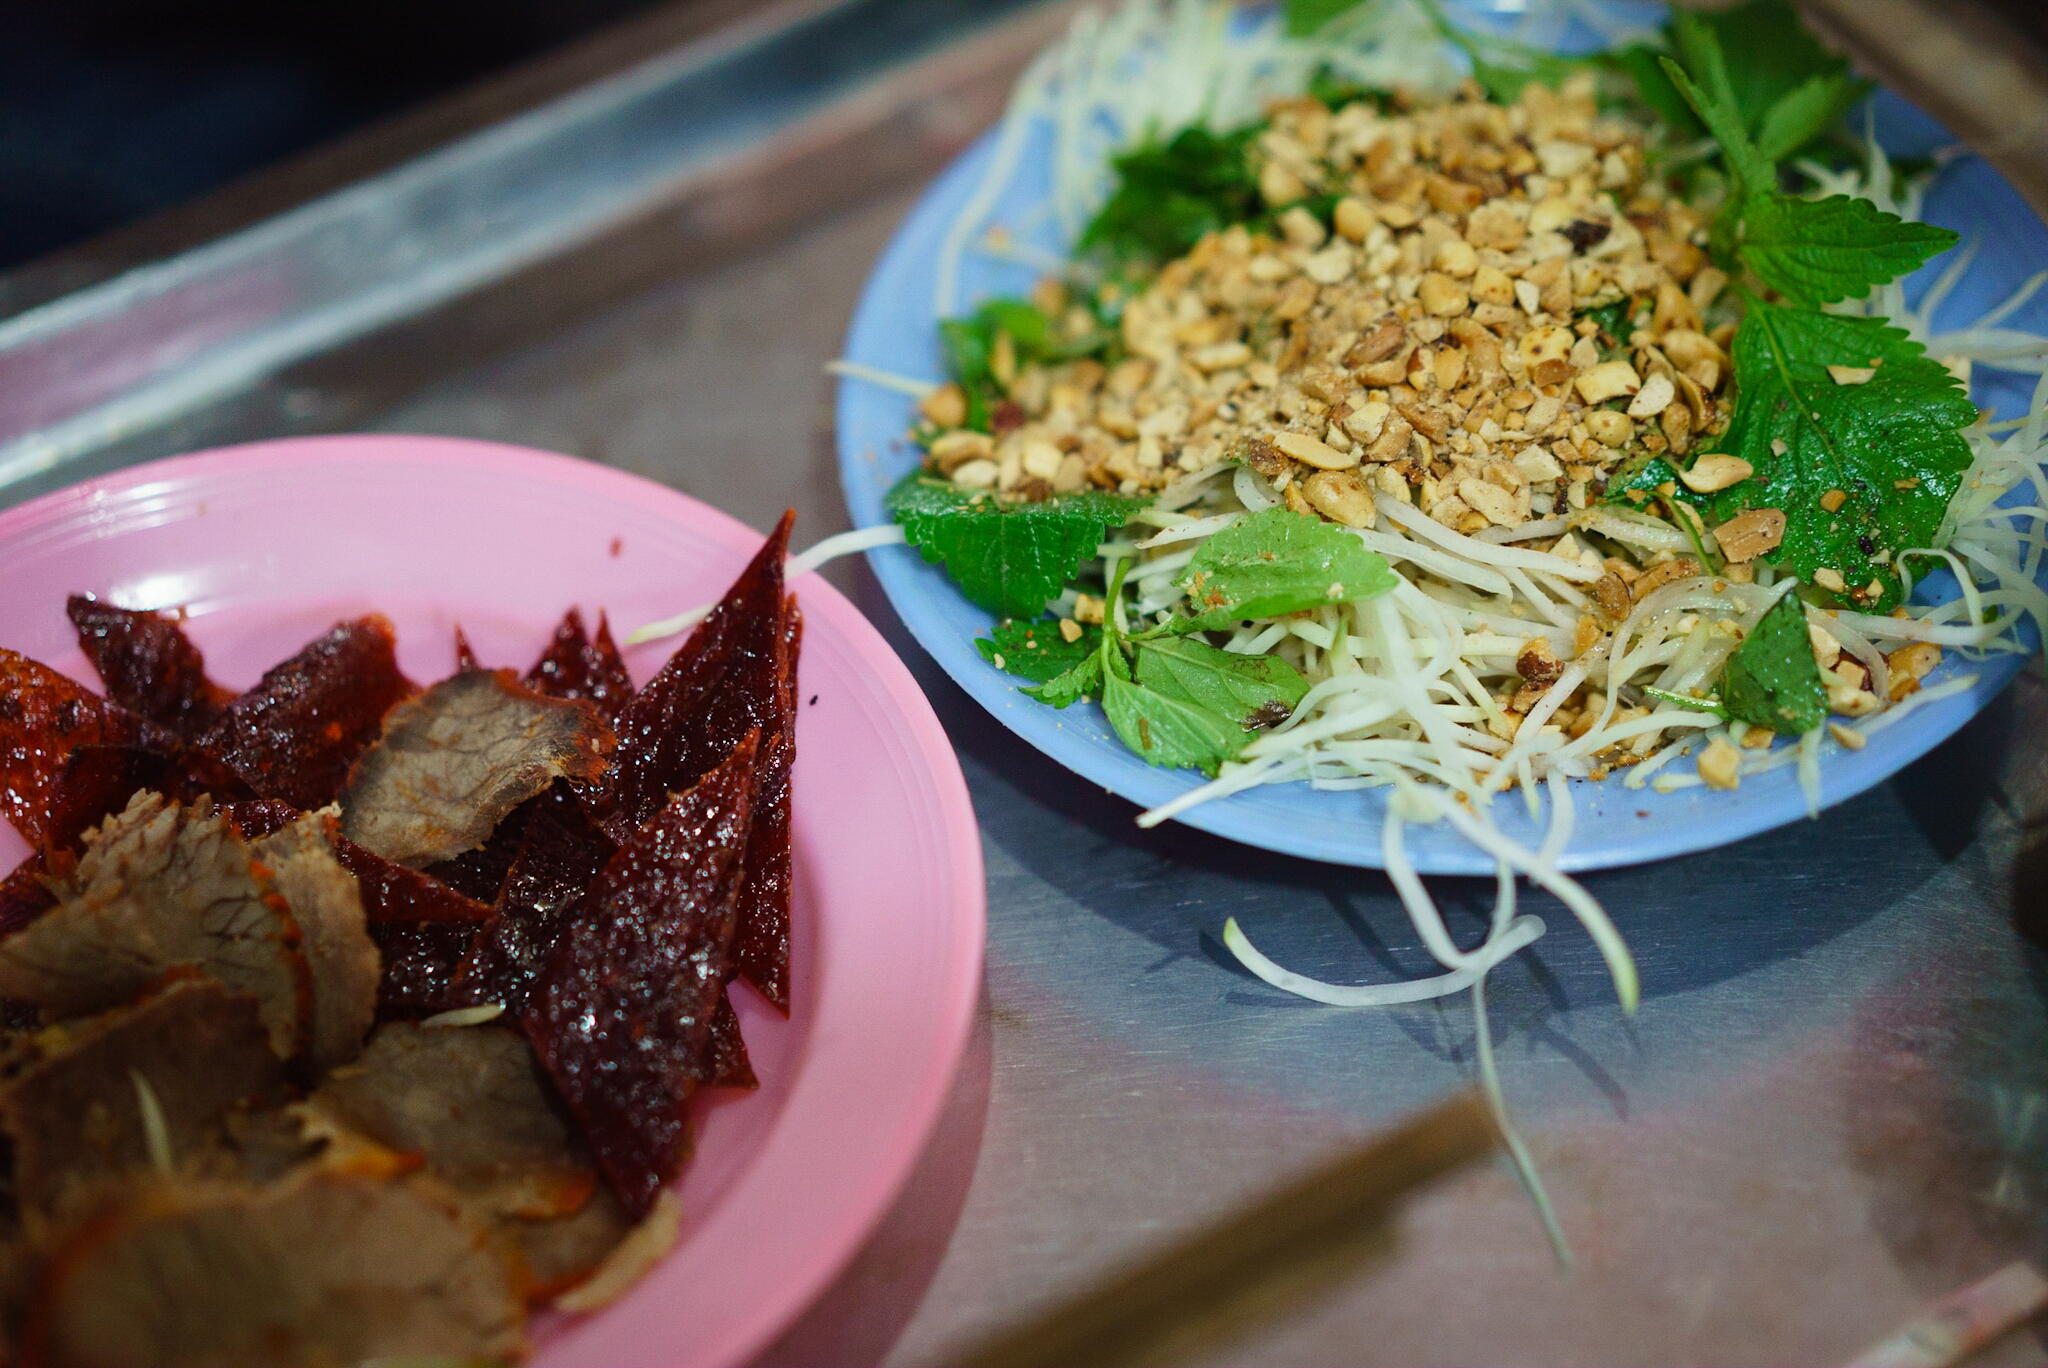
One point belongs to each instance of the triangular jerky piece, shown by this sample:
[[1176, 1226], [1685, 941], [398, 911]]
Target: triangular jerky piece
[[622, 1015], [719, 686], [148, 664], [560, 853], [761, 952], [575, 666], [729, 1065], [465, 658], [294, 736]]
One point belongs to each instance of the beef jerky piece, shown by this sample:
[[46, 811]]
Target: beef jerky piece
[[162, 887], [340, 957], [454, 761], [148, 664], [421, 959], [721, 684], [255, 818], [761, 952], [472, 1102], [393, 893], [621, 1016], [74, 1114], [44, 717], [559, 855], [480, 873], [323, 1268], [465, 658], [575, 666], [728, 1064], [96, 782], [294, 736], [24, 895]]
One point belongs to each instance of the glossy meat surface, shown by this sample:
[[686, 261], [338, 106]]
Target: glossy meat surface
[[148, 665]]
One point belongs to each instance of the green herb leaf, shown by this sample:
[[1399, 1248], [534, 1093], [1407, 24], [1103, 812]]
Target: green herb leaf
[[1036, 650], [1772, 679], [1169, 732], [1170, 195], [1279, 562], [1083, 680], [1819, 251], [1010, 558], [1254, 691], [1768, 55], [1722, 118], [1656, 90], [1306, 18], [1892, 446], [1807, 111]]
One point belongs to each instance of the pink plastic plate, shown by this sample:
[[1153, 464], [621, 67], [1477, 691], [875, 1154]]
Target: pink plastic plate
[[269, 545]]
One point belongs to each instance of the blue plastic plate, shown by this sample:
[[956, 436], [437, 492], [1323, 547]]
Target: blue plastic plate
[[894, 329]]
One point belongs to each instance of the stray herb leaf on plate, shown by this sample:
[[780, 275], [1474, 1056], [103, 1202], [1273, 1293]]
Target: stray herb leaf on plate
[[1772, 680], [1036, 650], [1010, 558], [1885, 448], [1279, 562]]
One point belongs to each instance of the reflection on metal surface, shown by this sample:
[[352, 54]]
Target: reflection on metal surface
[[106, 362]]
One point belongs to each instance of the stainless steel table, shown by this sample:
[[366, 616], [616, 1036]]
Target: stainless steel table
[[1832, 1106]]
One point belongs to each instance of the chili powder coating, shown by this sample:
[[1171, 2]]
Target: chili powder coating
[[44, 717], [731, 677], [294, 736], [148, 664], [621, 1016], [577, 666]]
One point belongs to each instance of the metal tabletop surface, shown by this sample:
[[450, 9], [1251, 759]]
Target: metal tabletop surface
[[1832, 1106]]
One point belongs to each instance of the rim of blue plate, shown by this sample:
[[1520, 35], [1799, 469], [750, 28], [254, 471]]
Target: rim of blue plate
[[894, 329]]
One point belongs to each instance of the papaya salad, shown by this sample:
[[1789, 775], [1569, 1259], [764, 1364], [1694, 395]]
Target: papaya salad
[[1416, 408]]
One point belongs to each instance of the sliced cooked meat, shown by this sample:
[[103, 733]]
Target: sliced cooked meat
[[454, 761], [621, 1016], [472, 1102], [148, 664], [560, 852], [575, 666], [294, 736], [761, 950], [561, 1253], [160, 887], [340, 956], [73, 1115], [319, 1269], [734, 675], [421, 961], [43, 718], [24, 895]]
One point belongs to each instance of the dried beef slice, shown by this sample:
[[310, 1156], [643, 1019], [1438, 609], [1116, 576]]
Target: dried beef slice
[[44, 717], [294, 736], [148, 664], [732, 676], [560, 852], [621, 1017], [453, 763]]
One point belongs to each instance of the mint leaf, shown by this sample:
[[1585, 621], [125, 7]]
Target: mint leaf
[[1769, 54], [1807, 111], [1083, 680], [1892, 446], [1772, 680], [1253, 691], [1036, 650], [1279, 562], [1170, 732], [1656, 89], [1819, 251], [1009, 558], [1170, 195]]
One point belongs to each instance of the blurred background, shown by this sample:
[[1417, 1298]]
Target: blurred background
[[111, 110]]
